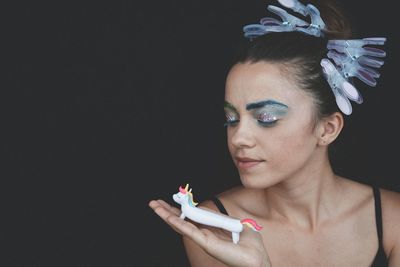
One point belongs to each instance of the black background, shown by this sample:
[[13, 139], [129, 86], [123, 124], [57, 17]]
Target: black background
[[110, 104]]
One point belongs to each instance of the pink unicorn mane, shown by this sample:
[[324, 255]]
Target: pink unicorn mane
[[182, 190], [252, 224]]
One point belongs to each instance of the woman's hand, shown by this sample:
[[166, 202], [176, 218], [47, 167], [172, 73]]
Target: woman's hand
[[249, 252]]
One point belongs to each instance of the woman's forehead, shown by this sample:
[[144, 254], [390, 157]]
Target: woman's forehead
[[253, 82]]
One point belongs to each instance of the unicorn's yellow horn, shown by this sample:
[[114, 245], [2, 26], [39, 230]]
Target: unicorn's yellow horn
[[187, 187]]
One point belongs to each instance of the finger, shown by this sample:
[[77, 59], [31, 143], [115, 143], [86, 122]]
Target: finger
[[153, 204], [161, 210], [156, 203], [172, 209], [164, 213]]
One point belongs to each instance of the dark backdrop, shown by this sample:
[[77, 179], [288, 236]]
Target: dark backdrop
[[112, 103]]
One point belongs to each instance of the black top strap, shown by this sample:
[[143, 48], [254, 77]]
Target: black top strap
[[380, 257], [378, 213], [219, 205]]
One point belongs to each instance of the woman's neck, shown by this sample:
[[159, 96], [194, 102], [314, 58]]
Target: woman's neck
[[306, 200]]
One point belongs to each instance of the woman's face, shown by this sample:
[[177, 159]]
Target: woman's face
[[270, 124]]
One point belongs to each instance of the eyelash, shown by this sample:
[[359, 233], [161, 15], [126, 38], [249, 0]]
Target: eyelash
[[267, 123], [232, 123]]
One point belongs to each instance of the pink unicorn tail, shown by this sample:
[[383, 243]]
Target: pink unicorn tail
[[252, 224]]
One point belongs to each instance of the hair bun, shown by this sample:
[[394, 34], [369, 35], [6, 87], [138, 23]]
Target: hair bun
[[337, 24]]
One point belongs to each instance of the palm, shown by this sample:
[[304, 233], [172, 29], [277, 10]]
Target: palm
[[249, 251]]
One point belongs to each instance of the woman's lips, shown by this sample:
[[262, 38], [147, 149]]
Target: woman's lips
[[247, 163]]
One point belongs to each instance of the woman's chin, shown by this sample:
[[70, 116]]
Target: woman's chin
[[256, 182], [251, 181]]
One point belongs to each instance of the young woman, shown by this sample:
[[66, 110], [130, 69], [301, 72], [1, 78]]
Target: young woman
[[282, 115]]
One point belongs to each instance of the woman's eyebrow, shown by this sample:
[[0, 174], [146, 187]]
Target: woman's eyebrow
[[229, 106], [264, 103]]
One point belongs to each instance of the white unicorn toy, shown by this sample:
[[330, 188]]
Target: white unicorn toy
[[188, 207]]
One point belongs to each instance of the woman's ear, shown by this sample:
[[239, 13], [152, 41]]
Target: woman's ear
[[329, 128]]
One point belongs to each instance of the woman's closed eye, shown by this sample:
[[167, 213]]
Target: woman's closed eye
[[264, 119], [231, 120], [267, 120]]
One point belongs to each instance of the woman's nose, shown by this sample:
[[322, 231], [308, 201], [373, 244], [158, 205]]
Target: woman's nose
[[242, 135]]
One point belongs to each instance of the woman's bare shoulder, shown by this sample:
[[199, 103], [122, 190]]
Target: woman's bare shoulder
[[240, 201], [226, 197], [390, 202], [390, 198], [233, 200]]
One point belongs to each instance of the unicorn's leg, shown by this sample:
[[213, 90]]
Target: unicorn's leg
[[235, 237], [182, 216]]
